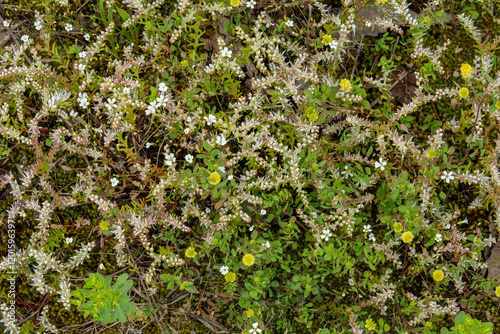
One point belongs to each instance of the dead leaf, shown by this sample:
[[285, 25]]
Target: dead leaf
[[457, 50], [453, 102], [493, 263], [217, 205], [404, 128]]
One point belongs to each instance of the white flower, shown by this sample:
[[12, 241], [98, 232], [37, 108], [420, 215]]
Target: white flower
[[269, 24], [186, 130], [438, 237], [447, 176], [161, 101], [169, 159], [148, 145], [82, 54], [351, 281], [207, 210], [38, 25], [221, 140], [69, 240], [226, 52], [326, 235], [371, 237], [368, 24], [22, 214], [5, 23], [346, 172], [114, 182], [25, 38], [380, 164], [465, 221], [230, 177], [210, 119], [267, 244], [189, 119], [82, 100], [289, 23], [126, 90], [333, 44], [251, 228], [101, 266], [68, 27], [251, 3], [87, 37], [111, 104], [263, 212], [255, 329], [162, 87], [189, 158], [73, 113], [224, 270], [222, 169], [367, 229]]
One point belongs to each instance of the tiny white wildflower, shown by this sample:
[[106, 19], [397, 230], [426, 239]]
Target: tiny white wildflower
[[69, 240], [5, 23], [111, 104], [207, 210], [169, 159], [186, 130], [148, 145], [326, 235], [289, 23], [263, 212], [222, 169], [447, 176], [230, 177], [367, 229], [438, 237], [255, 328], [221, 140], [251, 3], [380, 164], [22, 214], [68, 27], [351, 281], [162, 87], [267, 244], [226, 52], [82, 54], [345, 173], [210, 119], [73, 113], [25, 38], [87, 37], [101, 266], [189, 158], [224, 270], [126, 90], [189, 119], [114, 182], [38, 25], [251, 228]]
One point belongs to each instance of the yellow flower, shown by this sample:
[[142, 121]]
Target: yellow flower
[[345, 85], [397, 227], [230, 277], [312, 114], [235, 3], [466, 70], [497, 291], [438, 275], [463, 92], [104, 225], [190, 252], [184, 63], [183, 286], [327, 39], [370, 324], [382, 1], [250, 313], [427, 19], [407, 237], [248, 259], [215, 177], [497, 104]]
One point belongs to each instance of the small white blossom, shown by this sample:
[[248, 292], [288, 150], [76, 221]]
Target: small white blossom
[[368, 24], [447, 176], [226, 52], [251, 3], [114, 182], [438, 237], [221, 140], [210, 119], [162, 87], [169, 159], [87, 37], [186, 130], [371, 237], [69, 240], [289, 23], [465, 221], [224, 270], [38, 25], [148, 145], [126, 90], [345, 173], [73, 113], [101, 266], [367, 229], [255, 329], [82, 54], [5, 23], [351, 281], [25, 38], [267, 244], [22, 214], [68, 27], [251, 228], [222, 169], [207, 210], [326, 235], [380, 164], [189, 119], [189, 158], [111, 104], [263, 212], [230, 177]]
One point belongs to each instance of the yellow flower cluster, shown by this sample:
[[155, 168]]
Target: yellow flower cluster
[[466, 71], [345, 85], [311, 113], [438, 275], [327, 39], [190, 252], [407, 237], [397, 227], [235, 3], [230, 277], [463, 92], [370, 324], [248, 259], [497, 291], [214, 178], [382, 1]]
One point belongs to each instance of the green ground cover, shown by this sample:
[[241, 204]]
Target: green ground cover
[[249, 166]]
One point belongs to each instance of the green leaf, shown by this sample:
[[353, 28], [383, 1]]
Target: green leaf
[[207, 146]]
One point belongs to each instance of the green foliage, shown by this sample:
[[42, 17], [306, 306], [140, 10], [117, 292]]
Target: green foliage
[[464, 324], [106, 303]]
